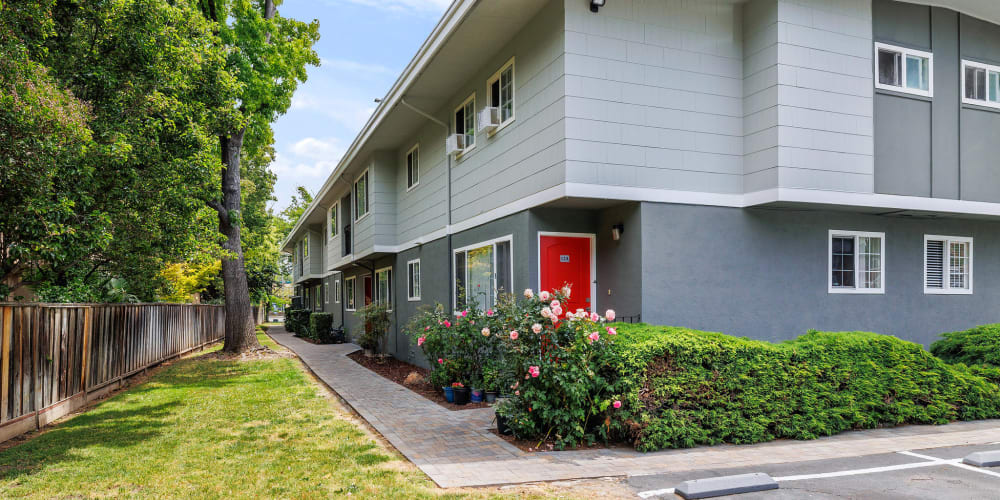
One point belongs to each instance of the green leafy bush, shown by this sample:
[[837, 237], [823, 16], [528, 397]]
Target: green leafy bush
[[977, 346], [682, 388], [298, 322], [375, 322], [321, 327]]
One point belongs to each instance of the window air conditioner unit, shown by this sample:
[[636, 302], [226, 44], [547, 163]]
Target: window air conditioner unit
[[489, 119], [454, 144]]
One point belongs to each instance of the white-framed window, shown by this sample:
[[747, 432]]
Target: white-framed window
[[980, 84], [319, 299], [333, 218], [349, 295], [947, 264], [857, 262], [326, 293], [482, 271], [383, 286], [904, 70], [413, 167], [500, 91], [465, 123], [413, 280], [362, 190], [336, 291]]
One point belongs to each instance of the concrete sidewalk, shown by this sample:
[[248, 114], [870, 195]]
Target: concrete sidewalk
[[455, 448]]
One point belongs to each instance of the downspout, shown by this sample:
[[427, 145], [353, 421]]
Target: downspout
[[447, 130]]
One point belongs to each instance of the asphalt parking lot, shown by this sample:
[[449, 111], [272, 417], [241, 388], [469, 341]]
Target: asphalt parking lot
[[924, 473]]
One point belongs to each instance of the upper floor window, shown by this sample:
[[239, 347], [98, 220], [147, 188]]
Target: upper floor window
[[947, 264], [904, 70], [465, 122], [305, 246], [333, 219], [413, 167], [361, 191], [501, 92], [981, 84], [383, 286], [857, 260], [483, 271]]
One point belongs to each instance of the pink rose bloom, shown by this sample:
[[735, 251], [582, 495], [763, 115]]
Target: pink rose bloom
[[489, 313], [594, 336], [486, 332], [554, 318], [440, 361], [528, 293], [472, 321], [556, 303], [447, 324], [534, 371], [557, 311], [420, 341], [546, 312], [544, 296], [517, 393], [536, 328], [594, 317], [565, 291], [610, 314], [513, 335], [617, 404], [612, 331], [427, 328]]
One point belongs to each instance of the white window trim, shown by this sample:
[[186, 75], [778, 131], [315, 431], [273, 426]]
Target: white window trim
[[413, 298], [375, 290], [326, 293], [946, 265], [903, 88], [329, 217], [336, 291], [406, 160], [829, 262], [354, 293], [593, 261], [474, 124], [493, 242], [513, 90], [368, 196], [975, 102]]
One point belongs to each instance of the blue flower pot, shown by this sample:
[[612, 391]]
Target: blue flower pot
[[449, 394], [477, 396]]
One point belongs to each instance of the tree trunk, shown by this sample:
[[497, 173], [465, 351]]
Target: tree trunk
[[240, 333]]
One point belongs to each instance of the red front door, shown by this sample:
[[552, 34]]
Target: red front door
[[368, 290], [566, 260]]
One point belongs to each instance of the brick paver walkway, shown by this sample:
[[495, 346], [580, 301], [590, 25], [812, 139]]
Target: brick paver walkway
[[455, 448]]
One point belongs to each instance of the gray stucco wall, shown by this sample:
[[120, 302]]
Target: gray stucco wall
[[619, 263], [763, 273]]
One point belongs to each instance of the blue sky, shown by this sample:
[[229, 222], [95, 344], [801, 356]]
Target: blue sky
[[363, 46]]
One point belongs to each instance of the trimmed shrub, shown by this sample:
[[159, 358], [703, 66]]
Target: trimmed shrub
[[290, 320], [977, 346], [299, 318], [321, 327], [683, 388]]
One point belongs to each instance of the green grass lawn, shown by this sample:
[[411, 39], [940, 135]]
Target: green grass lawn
[[210, 428]]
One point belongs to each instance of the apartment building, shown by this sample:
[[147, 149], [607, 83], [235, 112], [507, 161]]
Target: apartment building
[[758, 167]]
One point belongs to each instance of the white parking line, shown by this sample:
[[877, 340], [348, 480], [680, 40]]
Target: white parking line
[[654, 493], [957, 463]]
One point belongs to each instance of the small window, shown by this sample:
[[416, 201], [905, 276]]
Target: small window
[[318, 295], [465, 122], [501, 92], [333, 219], [361, 198], [412, 167], [336, 291], [947, 265], [326, 293], [383, 286], [305, 246], [904, 70], [981, 84], [857, 262], [349, 293], [482, 272], [413, 279]]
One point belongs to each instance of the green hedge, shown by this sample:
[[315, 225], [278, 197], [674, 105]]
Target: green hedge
[[321, 327], [297, 322], [977, 346], [683, 388]]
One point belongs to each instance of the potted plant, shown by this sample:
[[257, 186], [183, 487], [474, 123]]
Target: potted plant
[[476, 395], [490, 382], [461, 393], [449, 393]]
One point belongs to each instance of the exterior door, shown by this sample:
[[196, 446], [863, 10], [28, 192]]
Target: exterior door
[[368, 290], [567, 260]]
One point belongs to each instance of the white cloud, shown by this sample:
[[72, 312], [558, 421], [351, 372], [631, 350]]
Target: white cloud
[[319, 149], [435, 7], [352, 114], [355, 68]]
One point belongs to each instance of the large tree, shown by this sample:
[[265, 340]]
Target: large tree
[[268, 55]]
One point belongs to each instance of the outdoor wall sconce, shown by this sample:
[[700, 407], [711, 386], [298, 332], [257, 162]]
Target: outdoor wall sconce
[[617, 230], [596, 4]]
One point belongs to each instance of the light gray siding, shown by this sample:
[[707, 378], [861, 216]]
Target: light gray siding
[[423, 209], [363, 230], [383, 193], [654, 95], [314, 263]]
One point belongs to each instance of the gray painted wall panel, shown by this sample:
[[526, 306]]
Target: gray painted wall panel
[[980, 177], [901, 23], [777, 261], [903, 148], [945, 108]]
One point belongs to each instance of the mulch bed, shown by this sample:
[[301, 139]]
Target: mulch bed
[[533, 445], [397, 371]]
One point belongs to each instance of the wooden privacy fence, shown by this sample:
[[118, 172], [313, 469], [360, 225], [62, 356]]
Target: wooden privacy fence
[[56, 357]]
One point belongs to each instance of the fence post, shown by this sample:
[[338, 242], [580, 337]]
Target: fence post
[[8, 326]]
